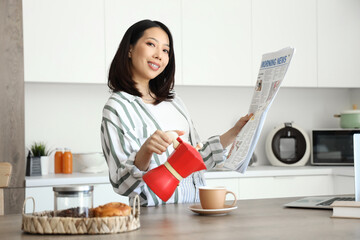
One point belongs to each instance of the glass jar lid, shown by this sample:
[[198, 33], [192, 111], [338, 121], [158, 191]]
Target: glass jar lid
[[73, 188]]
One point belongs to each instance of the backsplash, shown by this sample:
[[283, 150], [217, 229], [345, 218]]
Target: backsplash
[[69, 115]]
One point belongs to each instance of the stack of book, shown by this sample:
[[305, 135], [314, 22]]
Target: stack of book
[[346, 209]]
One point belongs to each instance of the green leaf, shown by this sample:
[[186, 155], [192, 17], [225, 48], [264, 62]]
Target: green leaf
[[38, 149]]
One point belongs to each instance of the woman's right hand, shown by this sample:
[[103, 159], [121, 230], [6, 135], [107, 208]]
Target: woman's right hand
[[157, 143]]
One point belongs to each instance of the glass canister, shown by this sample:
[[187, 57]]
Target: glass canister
[[73, 201]]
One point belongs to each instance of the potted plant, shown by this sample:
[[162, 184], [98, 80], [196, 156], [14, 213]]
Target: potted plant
[[39, 149]]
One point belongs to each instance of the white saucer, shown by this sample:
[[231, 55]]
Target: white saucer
[[198, 209]]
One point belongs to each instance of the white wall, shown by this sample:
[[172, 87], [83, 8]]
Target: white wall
[[355, 97], [309, 108], [64, 115], [69, 115]]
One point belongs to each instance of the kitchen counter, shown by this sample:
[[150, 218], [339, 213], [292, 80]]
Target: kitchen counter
[[258, 171], [253, 219], [257, 182]]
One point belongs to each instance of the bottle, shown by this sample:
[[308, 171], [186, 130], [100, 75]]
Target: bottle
[[67, 161], [58, 160]]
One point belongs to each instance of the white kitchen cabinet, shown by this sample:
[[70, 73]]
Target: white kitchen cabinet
[[276, 186], [285, 186], [44, 197], [64, 41], [338, 43], [277, 24], [120, 15], [344, 184], [273, 182], [104, 193], [217, 43]]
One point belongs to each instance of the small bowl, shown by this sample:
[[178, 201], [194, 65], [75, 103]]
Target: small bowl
[[91, 162]]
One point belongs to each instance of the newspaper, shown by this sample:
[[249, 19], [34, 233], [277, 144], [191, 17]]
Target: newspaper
[[271, 74]]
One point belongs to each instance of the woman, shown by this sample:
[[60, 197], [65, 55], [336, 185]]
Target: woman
[[141, 108]]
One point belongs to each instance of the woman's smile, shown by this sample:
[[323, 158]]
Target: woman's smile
[[154, 66]]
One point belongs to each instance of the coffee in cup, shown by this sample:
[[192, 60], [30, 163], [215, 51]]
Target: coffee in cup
[[214, 197]]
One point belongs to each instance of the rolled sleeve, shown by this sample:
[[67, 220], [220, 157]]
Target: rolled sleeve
[[213, 152], [131, 167]]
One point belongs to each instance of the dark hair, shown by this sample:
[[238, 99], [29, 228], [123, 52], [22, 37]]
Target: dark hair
[[120, 79]]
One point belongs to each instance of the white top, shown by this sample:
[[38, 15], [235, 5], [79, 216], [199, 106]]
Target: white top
[[169, 118]]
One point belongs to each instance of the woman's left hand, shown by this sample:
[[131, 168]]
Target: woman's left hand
[[242, 121], [229, 137]]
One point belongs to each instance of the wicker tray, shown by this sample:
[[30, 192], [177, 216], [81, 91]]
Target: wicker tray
[[45, 223]]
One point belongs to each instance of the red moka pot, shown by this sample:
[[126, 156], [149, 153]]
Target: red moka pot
[[164, 179]]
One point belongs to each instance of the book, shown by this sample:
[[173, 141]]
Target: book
[[346, 209]]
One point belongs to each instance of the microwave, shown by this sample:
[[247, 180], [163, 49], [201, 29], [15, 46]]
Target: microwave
[[333, 147]]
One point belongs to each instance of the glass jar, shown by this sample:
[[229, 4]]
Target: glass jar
[[73, 201]]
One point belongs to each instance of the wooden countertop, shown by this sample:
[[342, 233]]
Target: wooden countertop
[[253, 219]]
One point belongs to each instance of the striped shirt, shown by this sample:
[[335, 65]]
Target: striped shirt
[[126, 124]]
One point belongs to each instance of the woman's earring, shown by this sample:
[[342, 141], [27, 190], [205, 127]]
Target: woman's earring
[[130, 54]]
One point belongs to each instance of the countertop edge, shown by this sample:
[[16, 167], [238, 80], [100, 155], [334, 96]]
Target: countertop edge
[[258, 171], [66, 179]]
